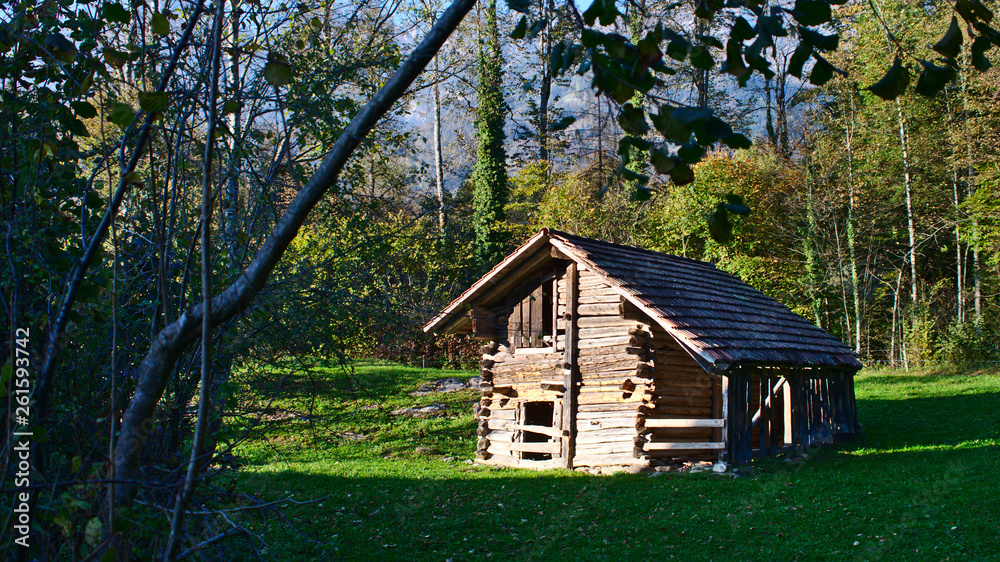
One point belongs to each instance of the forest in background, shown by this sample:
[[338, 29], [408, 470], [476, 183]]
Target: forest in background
[[150, 150]]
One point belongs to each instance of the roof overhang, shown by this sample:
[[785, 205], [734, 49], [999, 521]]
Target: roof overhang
[[456, 314], [705, 361]]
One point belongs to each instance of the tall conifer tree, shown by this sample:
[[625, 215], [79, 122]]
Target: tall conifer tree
[[490, 173]]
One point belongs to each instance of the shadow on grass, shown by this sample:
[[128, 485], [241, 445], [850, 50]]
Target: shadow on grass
[[899, 505], [929, 421]]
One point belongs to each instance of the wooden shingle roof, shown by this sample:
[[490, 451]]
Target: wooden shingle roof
[[719, 319]]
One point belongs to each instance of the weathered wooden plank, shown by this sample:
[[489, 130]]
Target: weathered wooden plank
[[537, 447], [555, 386], [584, 449], [596, 360], [599, 298], [610, 435], [597, 310], [685, 446], [611, 341], [608, 460], [609, 399], [605, 322], [603, 332], [672, 434], [626, 407], [682, 422], [671, 390], [501, 436], [686, 401], [603, 422]]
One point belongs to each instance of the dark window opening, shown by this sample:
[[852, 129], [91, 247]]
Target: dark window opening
[[532, 319], [537, 413]]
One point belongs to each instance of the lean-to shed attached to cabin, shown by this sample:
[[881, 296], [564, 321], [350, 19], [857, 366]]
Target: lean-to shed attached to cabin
[[601, 354]]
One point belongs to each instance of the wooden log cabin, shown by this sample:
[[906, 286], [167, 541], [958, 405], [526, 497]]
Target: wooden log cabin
[[600, 354]]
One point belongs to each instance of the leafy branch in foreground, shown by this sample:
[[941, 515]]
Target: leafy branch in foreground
[[675, 136]]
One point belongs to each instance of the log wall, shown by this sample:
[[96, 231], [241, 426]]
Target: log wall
[[512, 377], [615, 370], [682, 413]]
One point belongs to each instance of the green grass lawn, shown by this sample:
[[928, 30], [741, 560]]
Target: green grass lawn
[[918, 485]]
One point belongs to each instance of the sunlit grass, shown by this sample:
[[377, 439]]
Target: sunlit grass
[[916, 485]]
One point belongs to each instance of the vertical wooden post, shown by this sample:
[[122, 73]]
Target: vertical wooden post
[[746, 406], [569, 379], [721, 404], [731, 431]]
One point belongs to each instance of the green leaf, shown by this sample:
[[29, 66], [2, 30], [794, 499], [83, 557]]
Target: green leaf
[[661, 162], [633, 120], [84, 109], [277, 70], [603, 10], [689, 115], [62, 49], [632, 175], [933, 79], [735, 204], [709, 41], [734, 59], [677, 50], [536, 27], [973, 11], [591, 38], [980, 46], [134, 178], [520, 29], [737, 141], [669, 127], [121, 115], [159, 24], [822, 72], [719, 225], [78, 128], [951, 44], [562, 123], [92, 533], [818, 40], [115, 13], [701, 58], [811, 12], [230, 106], [522, 6], [153, 102], [799, 58], [114, 57], [648, 52], [681, 174], [691, 153], [894, 83], [742, 31], [641, 193]]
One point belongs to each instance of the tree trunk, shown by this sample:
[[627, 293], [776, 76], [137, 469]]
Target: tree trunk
[[809, 249], [438, 157], [545, 91], [852, 226], [977, 288], [907, 184], [174, 338], [956, 201]]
